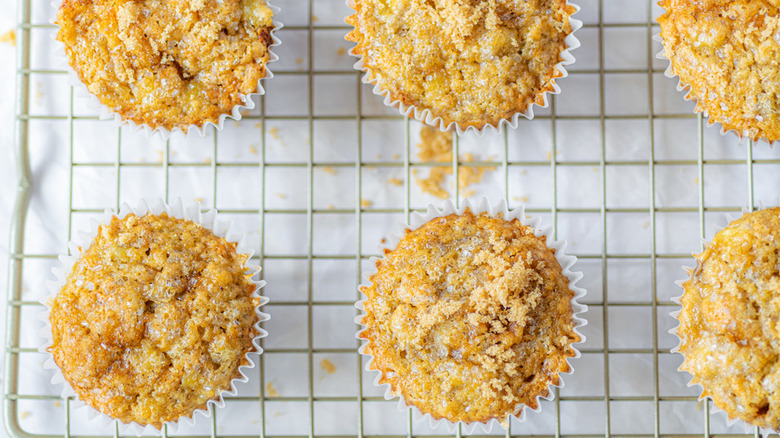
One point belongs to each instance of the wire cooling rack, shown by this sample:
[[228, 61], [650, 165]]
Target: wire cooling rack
[[618, 165]]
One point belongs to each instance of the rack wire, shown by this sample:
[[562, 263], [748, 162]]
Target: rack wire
[[655, 406]]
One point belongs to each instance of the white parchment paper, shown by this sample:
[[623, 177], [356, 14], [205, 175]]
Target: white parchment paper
[[356, 144]]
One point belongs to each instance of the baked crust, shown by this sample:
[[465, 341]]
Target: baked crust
[[469, 317], [154, 319], [728, 53], [729, 331], [472, 62], [167, 63]]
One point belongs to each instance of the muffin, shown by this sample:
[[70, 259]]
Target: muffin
[[168, 64], [727, 53], [470, 318], [154, 319], [729, 334], [470, 63]]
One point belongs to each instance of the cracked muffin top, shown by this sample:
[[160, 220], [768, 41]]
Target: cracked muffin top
[[154, 319], [729, 331], [472, 62], [469, 318], [167, 63], [728, 53]]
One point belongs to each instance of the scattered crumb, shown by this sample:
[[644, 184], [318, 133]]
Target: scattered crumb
[[207, 160], [515, 198], [244, 112], [281, 195], [378, 156], [38, 93], [395, 182], [341, 51], [270, 390], [259, 125], [594, 168], [396, 156], [299, 61], [369, 167], [331, 207], [328, 366], [160, 156], [9, 37], [198, 199], [523, 172], [645, 225], [278, 414], [314, 18], [253, 149], [365, 203], [549, 156], [436, 146], [24, 414], [57, 404], [236, 124], [471, 175], [384, 240], [696, 180], [274, 131], [468, 193], [330, 170], [524, 199], [433, 184]]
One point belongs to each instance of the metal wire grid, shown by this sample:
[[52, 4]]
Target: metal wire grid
[[15, 390]]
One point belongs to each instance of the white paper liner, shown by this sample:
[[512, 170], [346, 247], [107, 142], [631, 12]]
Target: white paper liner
[[83, 240], [688, 95], [722, 223], [105, 113], [477, 206], [425, 116]]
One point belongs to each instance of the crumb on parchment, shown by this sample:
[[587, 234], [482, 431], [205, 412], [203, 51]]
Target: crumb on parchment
[[328, 366], [436, 146], [8, 37]]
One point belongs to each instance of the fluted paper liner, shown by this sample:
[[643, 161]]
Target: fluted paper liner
[[477, 206], [425, 116], [730, 421], [208, 220], [105, 113]]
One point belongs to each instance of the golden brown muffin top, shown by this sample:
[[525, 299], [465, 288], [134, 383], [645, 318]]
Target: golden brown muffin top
[[472, 62], [728, 52], [167, 63], [154, 319], [469, 317], [729, 331]]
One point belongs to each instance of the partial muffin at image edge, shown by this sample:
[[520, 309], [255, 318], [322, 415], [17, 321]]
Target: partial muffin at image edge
[[470, 318], [174, 64], [154, 319], [729, 334], [727, 55], [472, 64]]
